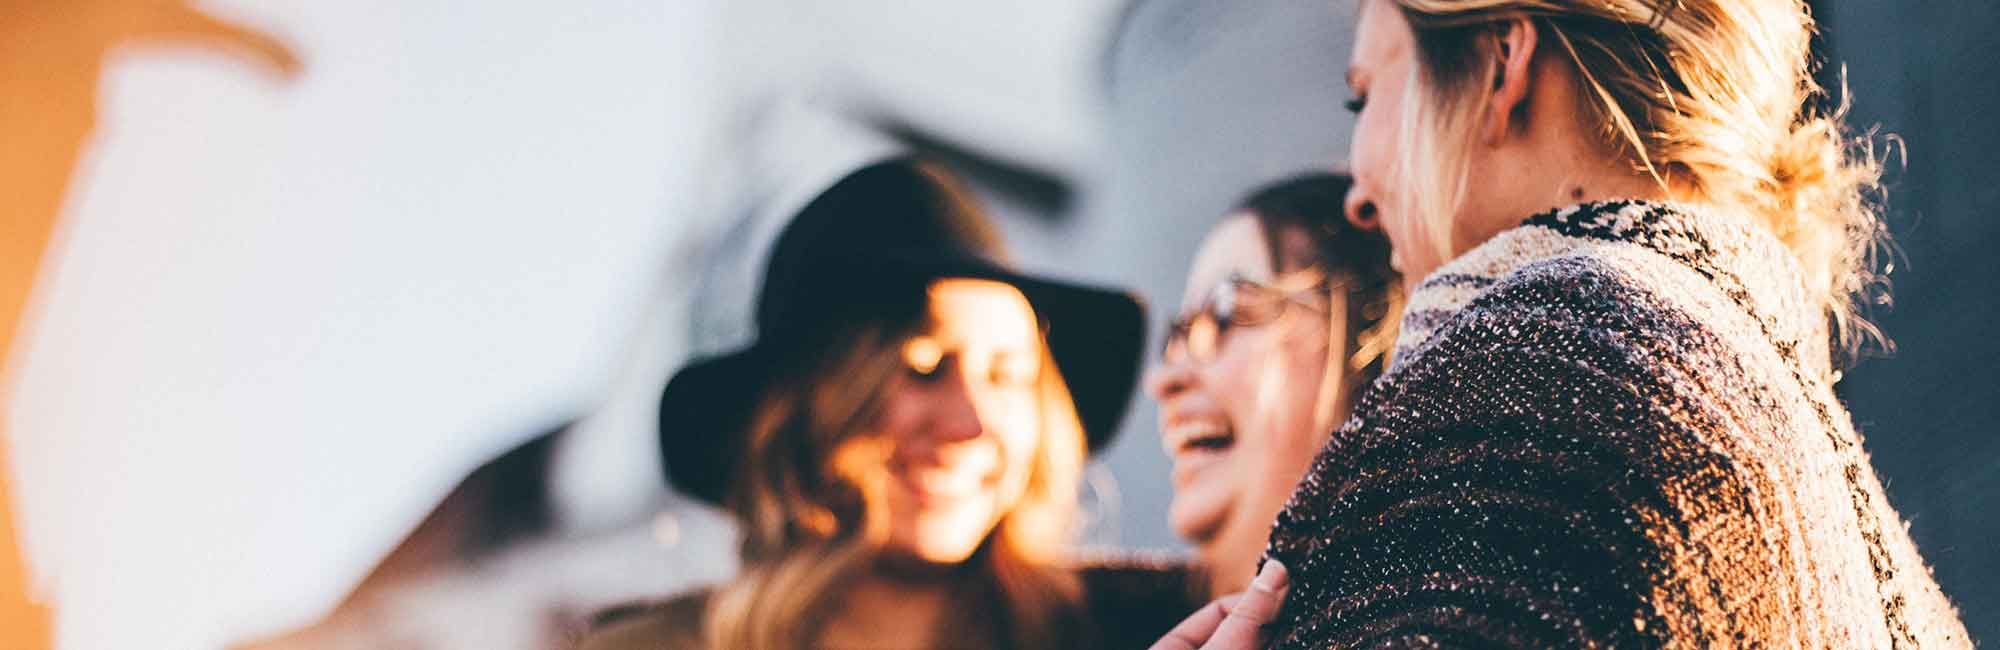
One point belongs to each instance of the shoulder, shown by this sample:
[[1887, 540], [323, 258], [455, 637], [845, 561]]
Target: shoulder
[[1626, 278], [1588, 349], [1134, 599], [1581, 283], [1526, 461], [1615, 316], [675, 622]]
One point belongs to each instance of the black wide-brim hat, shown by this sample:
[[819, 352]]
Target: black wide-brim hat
[[885, 228]]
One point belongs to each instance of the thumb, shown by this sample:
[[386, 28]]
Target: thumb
[[1245, 625]]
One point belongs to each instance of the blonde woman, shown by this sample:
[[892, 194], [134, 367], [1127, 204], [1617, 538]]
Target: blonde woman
[[1635, 253], [903, 444]]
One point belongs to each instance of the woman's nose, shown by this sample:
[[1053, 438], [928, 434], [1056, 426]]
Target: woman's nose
[[1361, 211], [1166, 379], [955, 410]]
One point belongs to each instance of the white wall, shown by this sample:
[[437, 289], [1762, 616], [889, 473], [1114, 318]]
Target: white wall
[[283, 318]]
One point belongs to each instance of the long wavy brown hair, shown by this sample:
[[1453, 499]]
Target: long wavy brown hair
[[812, 517]]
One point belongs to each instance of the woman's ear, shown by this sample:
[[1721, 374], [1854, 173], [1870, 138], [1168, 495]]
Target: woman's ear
[[1515, 43]]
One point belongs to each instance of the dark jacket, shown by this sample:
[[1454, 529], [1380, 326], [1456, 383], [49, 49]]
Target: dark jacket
[[1612, 426], [1127, 603]]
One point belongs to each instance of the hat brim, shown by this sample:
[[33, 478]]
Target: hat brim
[[1096, 337], [703, 412]]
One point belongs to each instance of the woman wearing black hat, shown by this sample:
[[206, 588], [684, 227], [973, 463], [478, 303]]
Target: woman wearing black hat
[[902, 445]]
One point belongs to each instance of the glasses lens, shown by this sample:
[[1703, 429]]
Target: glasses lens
[[1222, 302], [1196, 336]]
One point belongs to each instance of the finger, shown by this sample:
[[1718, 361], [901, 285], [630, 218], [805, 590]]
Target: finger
[[1243, 627], [1196, 628]]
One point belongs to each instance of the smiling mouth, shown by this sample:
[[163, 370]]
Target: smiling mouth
[[942, 484], [1200, 436], [1202, 451]]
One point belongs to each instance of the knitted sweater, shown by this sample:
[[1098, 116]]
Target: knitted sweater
[[1611, 426]]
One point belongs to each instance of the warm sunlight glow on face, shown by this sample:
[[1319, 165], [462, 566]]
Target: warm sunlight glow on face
[[962, 424]]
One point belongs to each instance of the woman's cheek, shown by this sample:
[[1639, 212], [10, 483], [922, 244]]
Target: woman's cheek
[[1019, 440]]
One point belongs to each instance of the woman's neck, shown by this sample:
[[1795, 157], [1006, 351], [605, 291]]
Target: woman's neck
[[1609, 187], [1553, 165], [1572, 184], [1578, 169]]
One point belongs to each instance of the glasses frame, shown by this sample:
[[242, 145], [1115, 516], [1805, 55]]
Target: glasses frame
[[1198, 335]]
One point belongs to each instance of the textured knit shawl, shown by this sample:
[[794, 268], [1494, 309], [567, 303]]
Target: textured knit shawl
[[1611, 426]]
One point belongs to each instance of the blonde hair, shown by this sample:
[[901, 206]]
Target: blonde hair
[[1717, 95], [812, 522]]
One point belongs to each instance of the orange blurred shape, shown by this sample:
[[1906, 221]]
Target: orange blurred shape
[[51, 55], [23, 623]]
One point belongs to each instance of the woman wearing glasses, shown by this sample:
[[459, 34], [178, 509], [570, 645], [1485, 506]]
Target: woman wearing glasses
[[1285, 321]]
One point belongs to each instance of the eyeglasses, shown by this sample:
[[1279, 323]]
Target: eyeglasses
[[1236, 302]]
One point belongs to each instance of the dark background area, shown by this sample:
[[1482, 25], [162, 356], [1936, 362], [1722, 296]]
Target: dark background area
[[1927, 72]]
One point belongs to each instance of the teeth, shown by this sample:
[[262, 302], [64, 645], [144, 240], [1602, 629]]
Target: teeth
[[947, 482], [1185, 434]]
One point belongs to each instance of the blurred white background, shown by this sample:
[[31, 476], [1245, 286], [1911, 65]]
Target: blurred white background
[[283, 319]]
